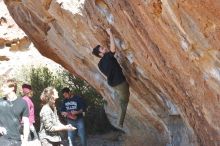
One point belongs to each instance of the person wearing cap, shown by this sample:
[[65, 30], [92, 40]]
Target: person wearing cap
[[27, 95], [110, 67], [12, 110]]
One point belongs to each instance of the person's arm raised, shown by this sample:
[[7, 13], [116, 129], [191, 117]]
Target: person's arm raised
[[112, 43]]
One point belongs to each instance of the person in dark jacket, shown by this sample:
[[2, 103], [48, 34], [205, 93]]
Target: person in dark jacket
[[110, 67]]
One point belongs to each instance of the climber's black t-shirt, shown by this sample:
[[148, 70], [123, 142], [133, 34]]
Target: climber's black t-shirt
[[110, 67], [11, 113]]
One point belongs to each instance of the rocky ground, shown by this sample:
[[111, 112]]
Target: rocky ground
[[112, 139], [109, 139]]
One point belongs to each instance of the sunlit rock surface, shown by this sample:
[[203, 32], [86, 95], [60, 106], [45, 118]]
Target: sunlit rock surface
[[168, 49], [16, 49]]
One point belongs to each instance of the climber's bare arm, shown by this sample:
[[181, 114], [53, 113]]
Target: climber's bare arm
[[112, 43]]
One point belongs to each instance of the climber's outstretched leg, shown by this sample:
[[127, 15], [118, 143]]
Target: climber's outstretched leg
[[123, 94]]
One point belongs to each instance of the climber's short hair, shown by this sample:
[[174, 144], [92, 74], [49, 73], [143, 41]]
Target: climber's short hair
[[96, 51]]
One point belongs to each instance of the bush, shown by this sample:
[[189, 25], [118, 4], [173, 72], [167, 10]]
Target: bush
[[42, 77]]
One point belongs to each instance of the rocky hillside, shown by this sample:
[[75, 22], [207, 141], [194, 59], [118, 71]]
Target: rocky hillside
[[16, 49], [168, 49]]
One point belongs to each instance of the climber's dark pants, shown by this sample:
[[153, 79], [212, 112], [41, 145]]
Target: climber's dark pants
[[122, 91]]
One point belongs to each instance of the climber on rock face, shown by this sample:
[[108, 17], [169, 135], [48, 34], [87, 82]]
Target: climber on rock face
[[110, 67]]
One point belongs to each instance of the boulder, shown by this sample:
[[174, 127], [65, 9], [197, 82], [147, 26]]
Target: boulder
[[168, 49]]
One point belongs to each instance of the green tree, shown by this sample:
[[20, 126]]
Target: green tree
[[42, 77], [96, 119]]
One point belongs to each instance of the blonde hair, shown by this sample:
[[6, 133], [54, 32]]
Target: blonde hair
[[47, 94]]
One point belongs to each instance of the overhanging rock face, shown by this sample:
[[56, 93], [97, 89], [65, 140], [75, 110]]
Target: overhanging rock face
[[168, 49]]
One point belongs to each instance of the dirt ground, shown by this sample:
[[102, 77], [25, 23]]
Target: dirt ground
[[108, 139]]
